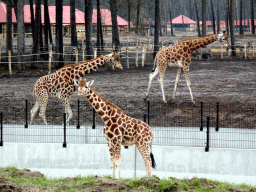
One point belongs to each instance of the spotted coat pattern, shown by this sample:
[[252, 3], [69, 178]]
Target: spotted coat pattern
[[179, 55], [60, 84], [120, 129]]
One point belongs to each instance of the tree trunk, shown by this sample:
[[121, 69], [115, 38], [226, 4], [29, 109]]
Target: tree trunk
[[203, 17], [171, 20], [157, 24], [88, 28], [138, 17], [227, 16], [37, 30], [9, 27], [32, 19], [218, 17], [241, 32], [73, 26], [115, 34], [231, 23], [20, 35], [100, 43], [59, 33], [213, 18], [252, 17], [129, 15], [197, 21], [46, 27]]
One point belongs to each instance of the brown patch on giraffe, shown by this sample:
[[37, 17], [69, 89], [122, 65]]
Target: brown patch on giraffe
[[105, 118], [100, 113]]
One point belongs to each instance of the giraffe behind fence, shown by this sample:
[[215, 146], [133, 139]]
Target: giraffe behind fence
[[120, 129], [179, 55], [60, 84]]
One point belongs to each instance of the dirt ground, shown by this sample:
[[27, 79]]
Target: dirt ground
[[231, 82], [12, 179]]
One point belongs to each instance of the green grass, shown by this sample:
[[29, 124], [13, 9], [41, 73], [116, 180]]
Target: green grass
[[88, 183]]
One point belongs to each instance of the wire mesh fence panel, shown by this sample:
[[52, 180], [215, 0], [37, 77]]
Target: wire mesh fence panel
[[173, 124]]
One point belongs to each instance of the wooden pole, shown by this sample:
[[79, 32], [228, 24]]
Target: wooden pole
[[137, 54], [50, 60], [221, 56], [143, 55], [245, 53], [127, 53], [76, 52], [10, 61], [95, 52]]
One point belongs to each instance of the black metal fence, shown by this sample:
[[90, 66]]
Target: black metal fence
[[174, 124]]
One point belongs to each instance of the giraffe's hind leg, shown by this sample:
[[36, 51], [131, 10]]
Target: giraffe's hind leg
[[176, 83], [151, 77], [34, 110], [144, 151], [68, 109], [43, 104]]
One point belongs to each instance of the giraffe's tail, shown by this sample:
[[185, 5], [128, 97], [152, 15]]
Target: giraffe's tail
[[152, 158]]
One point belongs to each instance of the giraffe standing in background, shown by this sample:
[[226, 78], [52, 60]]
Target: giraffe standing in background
[[120, 129], [179, 55], [60, 84]]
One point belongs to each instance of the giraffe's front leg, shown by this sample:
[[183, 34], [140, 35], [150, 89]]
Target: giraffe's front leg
[[186, 71], [151, 77], [176, 83], [162, 87], [68, 110]]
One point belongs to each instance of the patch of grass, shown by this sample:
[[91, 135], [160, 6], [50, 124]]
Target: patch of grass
[[168, 185]]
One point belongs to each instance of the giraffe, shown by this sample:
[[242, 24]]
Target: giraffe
[[179, 55], [60, 84], [120, 129]]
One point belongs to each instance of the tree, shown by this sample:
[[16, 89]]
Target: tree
[[197, 20], [73, 24], [227, 16], [157, 23], [129, 14], [9, 26], [115, 34], [20, 35], [252, 17], [203, 17], [32, 18], [241, 32], [88, 27], [37, 30], [231, 23], [59, 33], [138, 16], [100, 43], [171, 18], [46, 26], [218, 17], [213, 18]]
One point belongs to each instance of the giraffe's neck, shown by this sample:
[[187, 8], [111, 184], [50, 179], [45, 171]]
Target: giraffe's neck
[[75, 71], [104, 108], [199, 42]]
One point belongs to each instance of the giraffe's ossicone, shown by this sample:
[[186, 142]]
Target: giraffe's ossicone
[[120, 129], [60, 84], [179, 55]]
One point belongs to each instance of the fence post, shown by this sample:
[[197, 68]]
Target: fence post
[[245, 53], [127, 53], [1, 128], [148, 111], [201, 127], [217, 118], [65, 136], [221, 56], [137, 53], [207, 134], [145, 117], [26, 114], [50, 59], [143, 56], [95, 52], [10, 61], [76, 52], [93, 118], [78, 114]]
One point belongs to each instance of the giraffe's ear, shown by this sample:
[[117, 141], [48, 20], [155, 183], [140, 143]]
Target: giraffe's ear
[[88, 84]]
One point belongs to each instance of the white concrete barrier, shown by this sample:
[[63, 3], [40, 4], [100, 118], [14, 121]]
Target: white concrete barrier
[[221, 161]]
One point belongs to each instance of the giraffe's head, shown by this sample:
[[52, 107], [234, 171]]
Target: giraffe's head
[[222, 37], [115, 60], [83, 86]]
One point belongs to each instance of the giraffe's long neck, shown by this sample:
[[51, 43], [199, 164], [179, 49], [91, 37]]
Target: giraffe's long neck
[[196, 43], [104, 108], [75, 71]]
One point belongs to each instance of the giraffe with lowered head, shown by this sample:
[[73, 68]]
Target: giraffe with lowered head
[[179, 55], [60, 84], [120, 129]]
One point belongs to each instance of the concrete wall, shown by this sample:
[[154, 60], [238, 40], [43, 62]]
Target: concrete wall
[[168, 159]]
